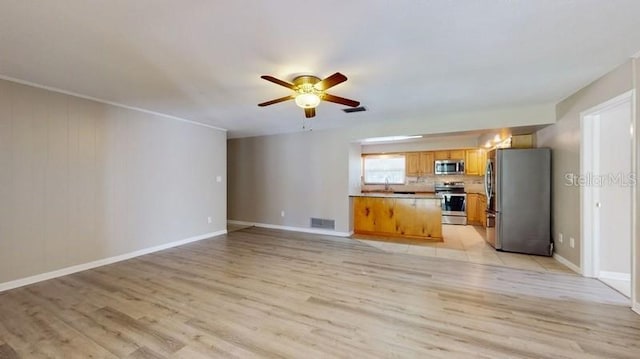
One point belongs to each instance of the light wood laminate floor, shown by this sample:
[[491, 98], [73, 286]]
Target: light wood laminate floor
[[465, 243], [266, 293]]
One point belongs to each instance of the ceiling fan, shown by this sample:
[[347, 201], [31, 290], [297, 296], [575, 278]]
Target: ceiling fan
[[309, 91]]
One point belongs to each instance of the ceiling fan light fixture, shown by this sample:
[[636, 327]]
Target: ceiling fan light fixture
[[307, 100], [309, 90]]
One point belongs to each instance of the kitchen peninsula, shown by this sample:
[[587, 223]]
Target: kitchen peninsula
[[417, 216]]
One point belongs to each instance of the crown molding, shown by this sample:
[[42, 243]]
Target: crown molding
[[117, 104]]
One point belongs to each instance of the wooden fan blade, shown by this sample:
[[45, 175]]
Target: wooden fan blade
[[278, 81], [340, 100], [309, 112], [281, 99], [330, 81]]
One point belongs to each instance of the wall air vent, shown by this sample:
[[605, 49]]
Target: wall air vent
[[323, 223], [354, 109]]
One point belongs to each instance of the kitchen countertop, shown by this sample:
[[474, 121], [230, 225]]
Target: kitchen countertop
[[426, 195]]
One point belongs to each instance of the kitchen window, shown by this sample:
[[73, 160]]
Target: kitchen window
[[383, 169]]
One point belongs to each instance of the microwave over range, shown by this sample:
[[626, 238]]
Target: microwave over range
[[449, 167]]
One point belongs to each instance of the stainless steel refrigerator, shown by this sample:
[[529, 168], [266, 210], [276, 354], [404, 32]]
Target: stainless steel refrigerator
[[518, 189]]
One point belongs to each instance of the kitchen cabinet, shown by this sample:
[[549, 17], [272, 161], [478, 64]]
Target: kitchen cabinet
[[449, 155], [472, 204], [476, 206], [419, 218], [475, 161], [419, 163], [523, 141], [481, 209], [412, 167]]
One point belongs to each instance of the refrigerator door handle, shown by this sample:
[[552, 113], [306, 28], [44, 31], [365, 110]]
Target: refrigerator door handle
[[487, 179]]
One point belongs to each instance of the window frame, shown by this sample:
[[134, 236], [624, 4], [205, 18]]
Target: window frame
[[382, 156]]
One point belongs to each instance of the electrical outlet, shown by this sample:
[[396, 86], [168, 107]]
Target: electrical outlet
[[572, 242], [209, 220], [560, 239], [281, 213]]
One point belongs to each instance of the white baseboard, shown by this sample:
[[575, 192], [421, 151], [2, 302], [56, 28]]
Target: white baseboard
[[567, 263], [293, 229], [621, 285], [101, 262], [615, 276]]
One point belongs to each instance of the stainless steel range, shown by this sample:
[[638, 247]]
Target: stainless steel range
[[454, 202]]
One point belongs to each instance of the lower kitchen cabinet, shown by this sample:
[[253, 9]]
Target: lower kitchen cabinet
[[472, 204], [476, 206], [419, 218], [482, 208]]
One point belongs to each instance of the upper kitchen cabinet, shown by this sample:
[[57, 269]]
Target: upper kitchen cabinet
[[475, 161], [419, 163], [449, 155], [426, 161], [523, 141]]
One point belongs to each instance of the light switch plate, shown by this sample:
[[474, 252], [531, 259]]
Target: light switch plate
[[218, 179]]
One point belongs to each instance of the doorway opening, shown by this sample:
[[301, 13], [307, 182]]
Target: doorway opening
[[607, 185]]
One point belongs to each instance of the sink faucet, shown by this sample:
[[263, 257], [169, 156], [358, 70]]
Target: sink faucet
[[386, 184]]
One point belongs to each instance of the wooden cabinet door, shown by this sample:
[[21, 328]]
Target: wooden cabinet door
[[426, 163], [449, 155], [456, 155], [374, 215], [482, 162], [482, 206], [472, 208], [417, 218], [412, 163], [408, 222], [441, 155], [419, 163], [363, 214], [384, 215], [522, 141], [471, 162], [475, 162]]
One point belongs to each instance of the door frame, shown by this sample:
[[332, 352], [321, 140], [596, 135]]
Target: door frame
[[589, 127]]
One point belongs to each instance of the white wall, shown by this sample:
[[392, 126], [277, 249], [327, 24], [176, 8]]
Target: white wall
[[355, 175], [355, 168], [305, 175], [564, 140], [82, 181]]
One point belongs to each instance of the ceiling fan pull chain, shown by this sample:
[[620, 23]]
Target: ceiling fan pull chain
[[307, 124]]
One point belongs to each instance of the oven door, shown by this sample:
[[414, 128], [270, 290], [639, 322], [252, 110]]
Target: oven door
[[454, 204]]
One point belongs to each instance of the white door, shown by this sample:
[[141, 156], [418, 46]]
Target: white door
[[609, 179]]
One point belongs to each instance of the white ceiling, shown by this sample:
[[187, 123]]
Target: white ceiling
[[202, 60]]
